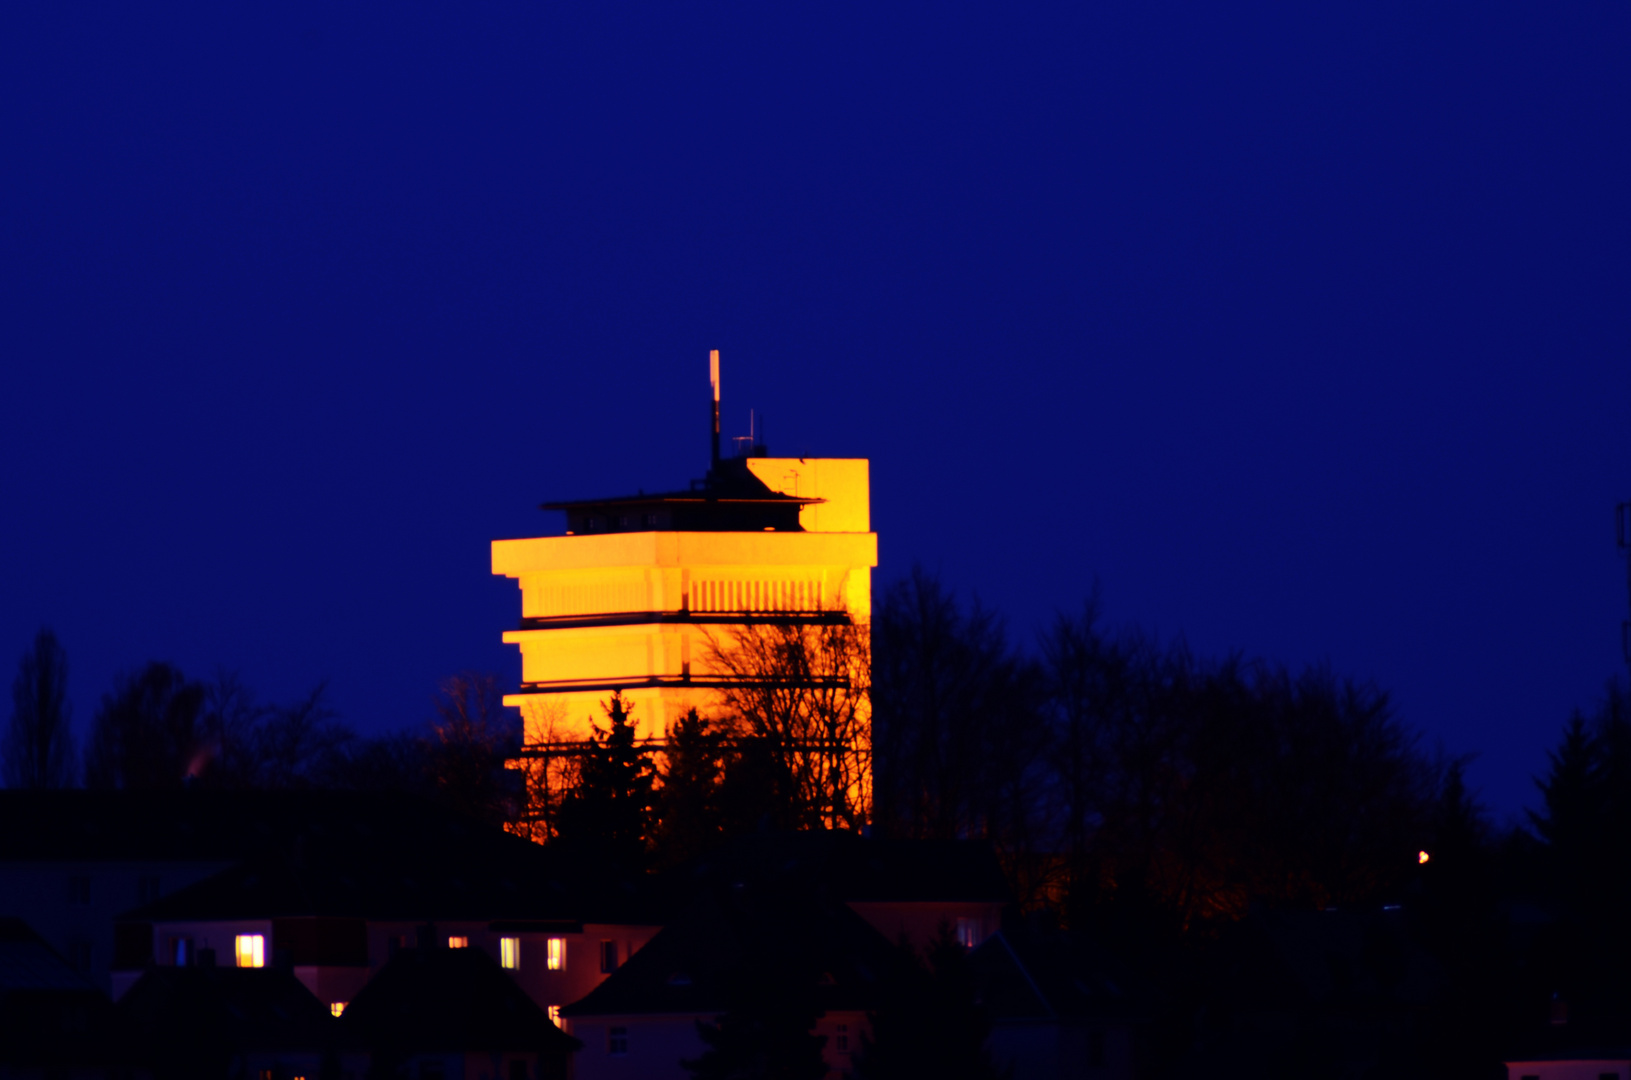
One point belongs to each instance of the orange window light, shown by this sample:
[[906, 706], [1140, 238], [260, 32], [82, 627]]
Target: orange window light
[[250, 950]]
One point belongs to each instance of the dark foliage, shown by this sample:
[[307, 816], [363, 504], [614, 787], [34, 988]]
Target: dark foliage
[[765, 1032], [689, 815], [472, 737], [608, 812], [37, 750], [148, 733], [929, 1022], [958, 732], [1581, 874]]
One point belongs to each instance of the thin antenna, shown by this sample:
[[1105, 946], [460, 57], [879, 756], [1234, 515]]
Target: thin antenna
[[713, 379]]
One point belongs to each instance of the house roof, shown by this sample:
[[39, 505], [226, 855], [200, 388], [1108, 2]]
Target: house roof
[[193, 825], [450, 1000], [416, 862], [695, 962], [237, 1008], [28, 963], [50, 1015], [1054, 976]]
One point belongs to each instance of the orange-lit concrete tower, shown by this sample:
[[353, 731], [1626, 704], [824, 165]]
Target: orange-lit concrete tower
[[631, 596]]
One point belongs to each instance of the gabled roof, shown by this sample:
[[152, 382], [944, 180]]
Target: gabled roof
[[50, 1015], [195, 825], [233, 1008], [28, 963], [691, 965], [1056, 976], [448, 1000], [415, 864]]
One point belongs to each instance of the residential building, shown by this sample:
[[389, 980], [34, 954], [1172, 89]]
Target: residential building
[[1058, 1008], [212, 1020], [72, 861], [53, 1021], [435, 1013], [334, 904]]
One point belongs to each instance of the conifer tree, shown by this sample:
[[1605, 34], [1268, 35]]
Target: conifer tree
[[38, 747], [689, 814], [608, 813], [929, 1022]]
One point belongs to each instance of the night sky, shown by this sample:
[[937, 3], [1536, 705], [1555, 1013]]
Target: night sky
[[1300, 330]]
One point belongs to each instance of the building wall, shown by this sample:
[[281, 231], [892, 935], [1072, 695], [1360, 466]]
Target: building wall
[[691, 583], [332, 983], [1079, 1050], [1569, 1070], [656, 1046]]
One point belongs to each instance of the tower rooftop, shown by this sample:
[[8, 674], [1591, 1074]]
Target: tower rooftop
[[731, 499]]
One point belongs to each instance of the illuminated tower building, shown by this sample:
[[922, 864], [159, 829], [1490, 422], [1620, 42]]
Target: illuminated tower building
[[641, 589]]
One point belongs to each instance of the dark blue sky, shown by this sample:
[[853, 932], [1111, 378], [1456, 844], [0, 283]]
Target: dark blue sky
[[1301, 329]]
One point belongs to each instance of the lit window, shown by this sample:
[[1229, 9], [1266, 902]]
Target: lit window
[[250, 949], [509, 952], [968, 932], [555, 1015], [336, 1007], [617, 1041], [557, 954], [458, 943], [181, 951], [840, 1039], [608, 957]]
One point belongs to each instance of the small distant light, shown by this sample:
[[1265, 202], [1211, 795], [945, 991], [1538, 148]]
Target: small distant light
[[1421, 857], [1390, 907], [336, 1007]]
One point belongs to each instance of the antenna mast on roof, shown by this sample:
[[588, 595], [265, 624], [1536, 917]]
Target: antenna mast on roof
[[713, 378]]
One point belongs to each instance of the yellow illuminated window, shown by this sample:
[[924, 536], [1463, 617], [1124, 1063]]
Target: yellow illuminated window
[[509, 952], [336, 1007], [250, 949], [557, 954], [458, 943], [555, 1014]]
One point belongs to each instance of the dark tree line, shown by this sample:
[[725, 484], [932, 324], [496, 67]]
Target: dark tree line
[[158, 729], [1120, 775]]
